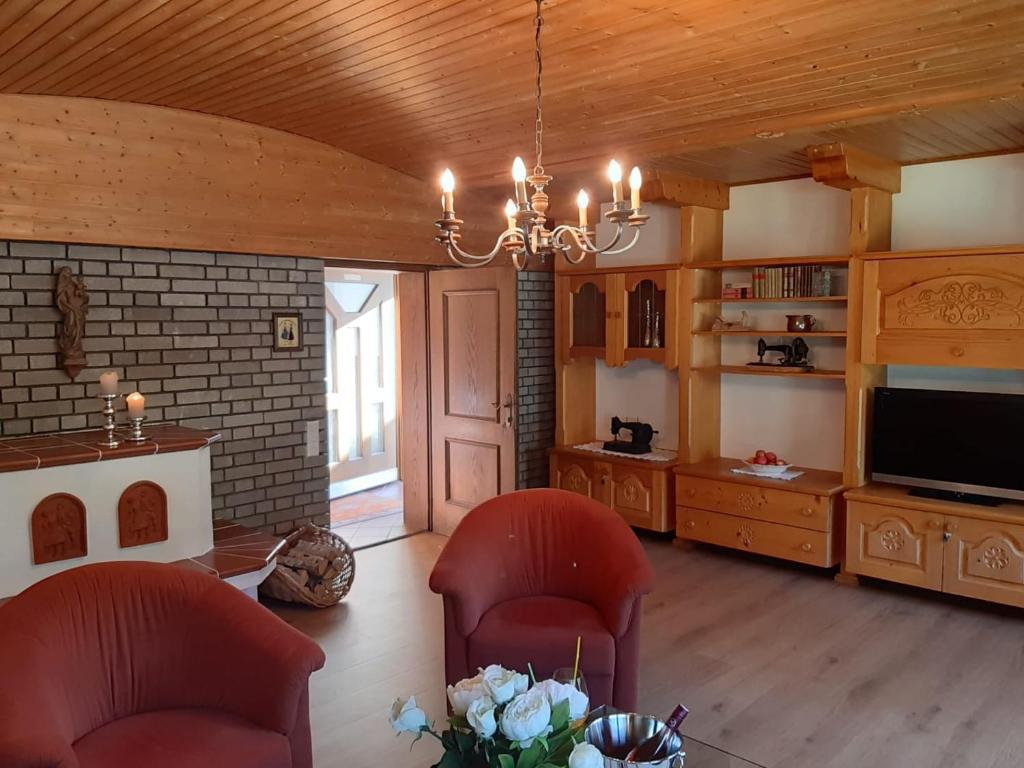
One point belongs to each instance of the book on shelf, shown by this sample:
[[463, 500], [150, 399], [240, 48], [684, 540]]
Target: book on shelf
[[804, 281]]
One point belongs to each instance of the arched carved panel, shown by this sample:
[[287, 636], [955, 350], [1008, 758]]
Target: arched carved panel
[[631, 493], [966, 301], [142, 514], [893, 539], [575, 479], [996, 557], [58, 529]]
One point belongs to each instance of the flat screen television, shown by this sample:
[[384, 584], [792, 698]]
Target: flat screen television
[[956, 444]]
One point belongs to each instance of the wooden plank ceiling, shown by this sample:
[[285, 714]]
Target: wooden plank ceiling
[[726, 89]]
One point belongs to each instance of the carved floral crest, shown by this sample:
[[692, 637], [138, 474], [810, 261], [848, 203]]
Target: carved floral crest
[[961, 302]]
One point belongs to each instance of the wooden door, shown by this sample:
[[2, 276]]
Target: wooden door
[[472, 383], [895, 543], [984, 559]]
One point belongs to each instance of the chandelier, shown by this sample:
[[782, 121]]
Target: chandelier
[[527, 234]]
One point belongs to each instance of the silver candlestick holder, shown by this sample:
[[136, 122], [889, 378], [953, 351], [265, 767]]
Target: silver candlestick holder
[[109, 425], [136, 435]]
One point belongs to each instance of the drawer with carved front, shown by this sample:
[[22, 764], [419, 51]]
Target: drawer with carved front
[[773, 505], [764, 538], [573, 474]]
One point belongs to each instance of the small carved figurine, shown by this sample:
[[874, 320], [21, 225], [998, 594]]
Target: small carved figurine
[[72, 299]]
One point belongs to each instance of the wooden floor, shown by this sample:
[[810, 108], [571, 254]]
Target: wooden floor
[[776, 664]]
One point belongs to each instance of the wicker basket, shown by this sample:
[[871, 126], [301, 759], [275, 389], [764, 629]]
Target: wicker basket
[[296, 583]]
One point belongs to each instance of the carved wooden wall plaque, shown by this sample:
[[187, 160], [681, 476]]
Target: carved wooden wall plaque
[[142, 514], [58, 529], [72, 299]]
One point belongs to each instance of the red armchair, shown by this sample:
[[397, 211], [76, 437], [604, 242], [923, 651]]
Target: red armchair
[[120, 665], [525, 573]]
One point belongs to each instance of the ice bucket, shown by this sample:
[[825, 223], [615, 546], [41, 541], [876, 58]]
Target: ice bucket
[[615, 734]]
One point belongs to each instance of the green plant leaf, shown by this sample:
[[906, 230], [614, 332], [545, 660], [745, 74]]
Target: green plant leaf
[[530, 758], [506, 761], [560, 715]]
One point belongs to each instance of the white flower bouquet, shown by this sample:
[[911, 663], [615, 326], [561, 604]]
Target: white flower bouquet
[[499, 720]]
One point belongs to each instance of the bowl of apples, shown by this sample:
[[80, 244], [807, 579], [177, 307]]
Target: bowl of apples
[[767, 463]]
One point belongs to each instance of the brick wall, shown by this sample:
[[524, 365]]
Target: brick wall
[[192, 332], [536, 376]]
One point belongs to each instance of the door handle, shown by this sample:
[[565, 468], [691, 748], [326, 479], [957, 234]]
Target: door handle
[[510, 410]]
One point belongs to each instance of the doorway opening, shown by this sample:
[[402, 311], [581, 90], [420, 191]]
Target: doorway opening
[[363, 362]]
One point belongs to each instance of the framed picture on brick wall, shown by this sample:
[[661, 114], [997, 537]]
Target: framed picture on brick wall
[[287, 331]]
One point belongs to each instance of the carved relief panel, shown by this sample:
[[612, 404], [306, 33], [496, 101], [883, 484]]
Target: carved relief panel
[[946, 310], [58, 529], [574, 478], [142, 514], [985, 560], [632, 493], [903, 545]]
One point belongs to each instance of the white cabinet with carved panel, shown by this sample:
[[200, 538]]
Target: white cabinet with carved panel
[[640, 491]]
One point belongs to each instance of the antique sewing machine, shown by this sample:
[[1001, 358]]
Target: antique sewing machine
[[640, 436], [794, 356]]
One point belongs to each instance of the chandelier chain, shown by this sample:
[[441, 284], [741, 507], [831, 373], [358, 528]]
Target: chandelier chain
[[539, 125]]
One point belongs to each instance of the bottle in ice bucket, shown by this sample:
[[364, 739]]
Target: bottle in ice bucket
[[656, 747]]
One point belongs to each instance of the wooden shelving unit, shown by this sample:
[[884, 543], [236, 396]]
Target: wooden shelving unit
[[795, 261], [789, 300], [756, 333], [750, 370]]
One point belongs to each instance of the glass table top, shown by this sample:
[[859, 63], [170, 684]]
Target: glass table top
[[701, 755]]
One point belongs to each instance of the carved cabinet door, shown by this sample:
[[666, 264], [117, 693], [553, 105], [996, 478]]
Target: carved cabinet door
[[985, 560], [895, 543], [945, 310]]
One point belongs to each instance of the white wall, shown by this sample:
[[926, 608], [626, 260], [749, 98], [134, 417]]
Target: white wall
[[641, 391], [960, 203]]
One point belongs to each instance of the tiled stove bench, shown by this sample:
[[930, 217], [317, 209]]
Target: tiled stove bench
[[66, 501]]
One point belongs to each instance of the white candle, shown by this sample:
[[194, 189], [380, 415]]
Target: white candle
[[108, 383], [510, 213], [519, 177], [615, 175], [634, 187], [136, 405], [448, 191], [582, 201]]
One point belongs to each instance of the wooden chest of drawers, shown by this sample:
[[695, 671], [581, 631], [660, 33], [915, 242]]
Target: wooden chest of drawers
[[794, 520], [640, 491]]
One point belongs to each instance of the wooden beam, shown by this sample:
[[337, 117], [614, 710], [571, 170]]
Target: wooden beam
[[844, 167], [678, 189]]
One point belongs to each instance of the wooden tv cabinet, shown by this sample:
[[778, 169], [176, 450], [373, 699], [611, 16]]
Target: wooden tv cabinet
[[799, 519], [963, 549]]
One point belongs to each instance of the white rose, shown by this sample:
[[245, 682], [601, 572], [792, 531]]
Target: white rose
[[406, 717], [527, 717], [559, 692], [586, 756], [464, 693], [502, 684], [481, 715]]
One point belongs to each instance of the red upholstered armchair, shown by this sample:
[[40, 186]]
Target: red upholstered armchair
[[141, 665], [525, 573]]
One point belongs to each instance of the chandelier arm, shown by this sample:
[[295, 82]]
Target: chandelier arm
[[623, 249], [466, 259], [583, 241]]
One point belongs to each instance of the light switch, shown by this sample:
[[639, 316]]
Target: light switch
[[312, 438]]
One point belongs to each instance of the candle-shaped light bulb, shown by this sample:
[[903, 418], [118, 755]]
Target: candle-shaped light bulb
[[582, 201], [136, 405], [448, 191], [615, 174], [510, 213], [635, 180], [519, 177], [108, 383]]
